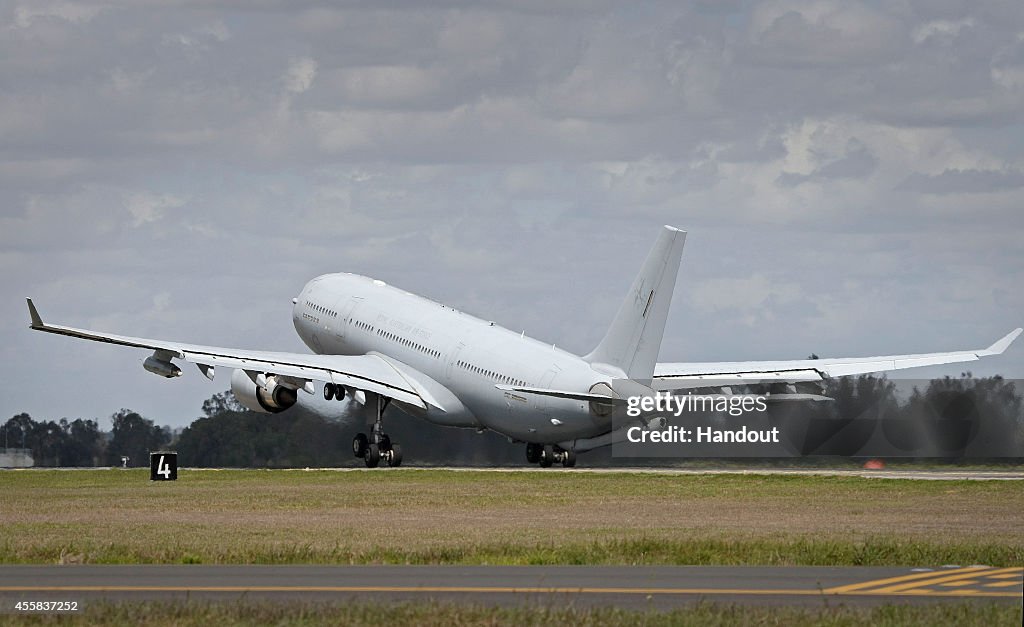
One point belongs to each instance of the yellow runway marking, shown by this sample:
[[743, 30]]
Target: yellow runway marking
[[945, 578], [916, 576], [1003, 584], [501, 590], [938, 583]]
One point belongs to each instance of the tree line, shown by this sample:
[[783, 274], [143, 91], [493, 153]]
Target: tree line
[[80, 442], [945, 413], [949, 417]]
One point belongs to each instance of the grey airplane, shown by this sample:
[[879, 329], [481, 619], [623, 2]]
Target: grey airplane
[[379, 345]]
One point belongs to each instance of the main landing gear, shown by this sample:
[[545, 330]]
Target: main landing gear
[[548, 454], [377, 447], [334, 392]]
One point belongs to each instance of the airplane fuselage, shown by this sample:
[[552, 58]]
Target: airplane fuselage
[[455, 354]]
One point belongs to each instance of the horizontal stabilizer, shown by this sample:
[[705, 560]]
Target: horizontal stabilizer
[[576, 396], [782, 398]]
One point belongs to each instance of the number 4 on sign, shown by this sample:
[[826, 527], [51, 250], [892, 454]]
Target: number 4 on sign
[[163, 466], [163, 469]]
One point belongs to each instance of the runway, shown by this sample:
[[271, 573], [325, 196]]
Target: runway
[[622, 586], [910, 473], [896, 473]]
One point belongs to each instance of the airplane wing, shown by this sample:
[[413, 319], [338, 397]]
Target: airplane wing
[[362, 372], [743, 372]]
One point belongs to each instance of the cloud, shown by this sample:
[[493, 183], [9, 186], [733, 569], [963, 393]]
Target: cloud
[[146, 207], [822, 33], [1008, 65], [945, 30], [752, 300], [300, 75], [200, 38], [964, 182], [856, 162], [27, 13]]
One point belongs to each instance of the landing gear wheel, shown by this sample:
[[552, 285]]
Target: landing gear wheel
[[339, 392], [547, 456], [384, 442], [568, 459], [533, 451], [372, 456], [395, 456], [329, 391], [359, 445]]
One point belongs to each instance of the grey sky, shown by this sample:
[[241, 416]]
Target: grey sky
[[851, 174]]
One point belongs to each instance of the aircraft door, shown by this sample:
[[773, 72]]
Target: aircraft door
[[453, 359], [344, 319], [546, 381]]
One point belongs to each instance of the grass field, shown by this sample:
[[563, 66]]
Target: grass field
[[430, 614], [445, 517]]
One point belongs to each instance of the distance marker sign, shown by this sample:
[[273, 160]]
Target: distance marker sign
[[163, 466]]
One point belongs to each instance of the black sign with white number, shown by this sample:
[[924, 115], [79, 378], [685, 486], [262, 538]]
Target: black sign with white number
[[163, 466]]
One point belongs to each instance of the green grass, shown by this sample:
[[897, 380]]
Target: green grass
[[448, 517], [434, 614]]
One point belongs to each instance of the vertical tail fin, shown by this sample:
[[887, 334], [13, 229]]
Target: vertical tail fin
[[634, 339]]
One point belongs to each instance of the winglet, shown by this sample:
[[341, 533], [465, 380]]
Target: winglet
[[1000, 346], [37, 322]]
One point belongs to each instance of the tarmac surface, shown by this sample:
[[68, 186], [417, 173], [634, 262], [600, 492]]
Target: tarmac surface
[[910, 473], [939, 474], [637, 587]]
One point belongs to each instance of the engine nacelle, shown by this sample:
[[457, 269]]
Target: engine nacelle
[[599, 409], [161, 367], [272, 399]]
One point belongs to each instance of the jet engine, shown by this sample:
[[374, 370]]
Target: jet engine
[[269, 398], [598, 409], [161, 365]]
